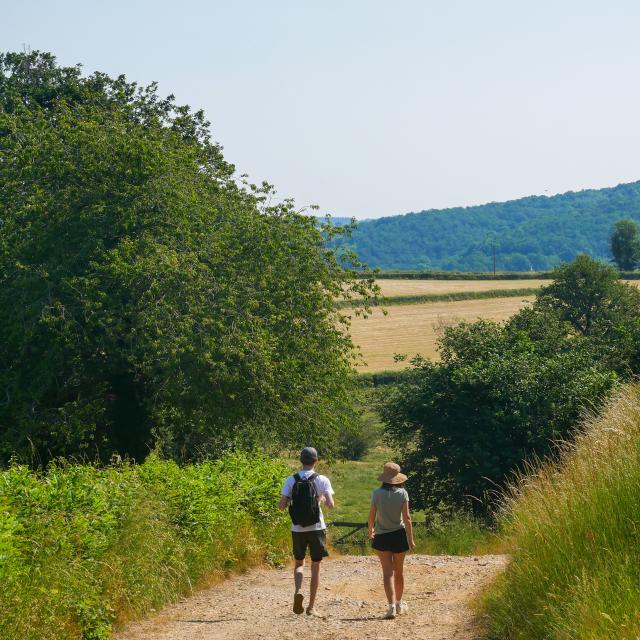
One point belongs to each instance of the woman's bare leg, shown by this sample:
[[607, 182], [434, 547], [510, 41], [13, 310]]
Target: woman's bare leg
[[386, 560], [398, 574]]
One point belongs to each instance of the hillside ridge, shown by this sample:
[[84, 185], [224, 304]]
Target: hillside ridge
[[531, 233]]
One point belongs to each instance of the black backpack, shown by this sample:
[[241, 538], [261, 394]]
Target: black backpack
[[304, 508]]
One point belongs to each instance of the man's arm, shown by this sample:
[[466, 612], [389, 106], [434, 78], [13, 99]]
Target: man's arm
[[326, 496], [285, 494]]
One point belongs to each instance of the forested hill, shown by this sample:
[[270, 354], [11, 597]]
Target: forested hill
[[536, 232]]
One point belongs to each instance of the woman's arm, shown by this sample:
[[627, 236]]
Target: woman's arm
[[406, 516], [372, 520]]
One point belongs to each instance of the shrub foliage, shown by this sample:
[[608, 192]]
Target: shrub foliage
[[83, 547]]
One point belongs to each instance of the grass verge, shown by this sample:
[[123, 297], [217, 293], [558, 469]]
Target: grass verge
[[573, 529], [83, 548]]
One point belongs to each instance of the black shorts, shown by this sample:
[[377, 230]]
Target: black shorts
[[395, 541], [315, 540]]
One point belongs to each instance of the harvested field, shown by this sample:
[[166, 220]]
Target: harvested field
[[411, 329], [420, 287]]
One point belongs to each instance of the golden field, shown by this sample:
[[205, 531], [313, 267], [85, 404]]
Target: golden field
[[402, 287], [414, 328]]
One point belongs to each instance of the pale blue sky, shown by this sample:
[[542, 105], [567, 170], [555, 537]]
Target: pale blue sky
[[372, 108]]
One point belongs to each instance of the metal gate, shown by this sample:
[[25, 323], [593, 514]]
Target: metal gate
[[356, 534], [353, 533]]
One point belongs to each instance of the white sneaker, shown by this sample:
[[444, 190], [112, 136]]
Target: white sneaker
[[402, 607], [391, 612]]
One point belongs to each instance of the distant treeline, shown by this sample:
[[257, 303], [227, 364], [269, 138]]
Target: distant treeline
[[534, 233]]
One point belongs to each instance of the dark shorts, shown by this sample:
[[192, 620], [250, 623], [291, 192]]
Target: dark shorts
[[315, 540], [395, 541]]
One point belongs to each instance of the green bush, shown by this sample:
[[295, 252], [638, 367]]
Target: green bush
[[572, 530], [82, 547], [496, 397], [366, 432]]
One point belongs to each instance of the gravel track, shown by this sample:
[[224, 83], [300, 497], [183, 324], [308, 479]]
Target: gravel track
[[257, 604]]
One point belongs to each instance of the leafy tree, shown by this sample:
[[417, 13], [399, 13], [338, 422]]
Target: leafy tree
[[149, 298], [625, 245], [589, 295]]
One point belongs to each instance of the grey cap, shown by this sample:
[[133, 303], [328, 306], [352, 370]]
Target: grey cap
[[308, 454]]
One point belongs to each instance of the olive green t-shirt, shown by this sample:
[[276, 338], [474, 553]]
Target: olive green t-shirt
[[388, 504]]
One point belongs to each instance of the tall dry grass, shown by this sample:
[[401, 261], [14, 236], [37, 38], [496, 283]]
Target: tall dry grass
[[573, 529]]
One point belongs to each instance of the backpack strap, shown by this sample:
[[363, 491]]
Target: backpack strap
[[312, 479], [297, 478]]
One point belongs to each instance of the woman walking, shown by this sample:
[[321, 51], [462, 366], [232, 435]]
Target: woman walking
[[391, 532]]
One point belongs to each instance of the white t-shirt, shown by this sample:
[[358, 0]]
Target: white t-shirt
[[324, 488]]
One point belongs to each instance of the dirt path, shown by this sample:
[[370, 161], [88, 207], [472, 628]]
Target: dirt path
[[257, 605]]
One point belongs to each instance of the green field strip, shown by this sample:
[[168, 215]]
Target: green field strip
[[441, 297]]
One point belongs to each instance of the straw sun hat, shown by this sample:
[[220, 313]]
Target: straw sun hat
[[391, 474]]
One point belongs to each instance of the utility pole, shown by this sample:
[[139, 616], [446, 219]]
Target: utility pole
[[493, 246], [490, 240]]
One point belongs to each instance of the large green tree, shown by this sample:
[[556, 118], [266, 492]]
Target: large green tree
[[148, 297], [625, 245]]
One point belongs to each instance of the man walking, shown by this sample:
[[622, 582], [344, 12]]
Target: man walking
[[303, 493]]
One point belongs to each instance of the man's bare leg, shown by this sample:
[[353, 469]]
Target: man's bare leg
[[298, 575], [315, 582]]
